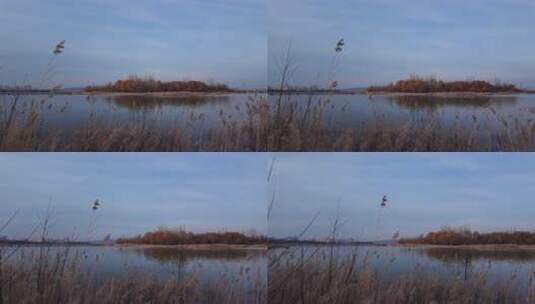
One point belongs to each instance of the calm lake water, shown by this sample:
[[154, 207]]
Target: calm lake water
[[241, 266], [392, 262], [67, 111], [340, 111], [343, 111]]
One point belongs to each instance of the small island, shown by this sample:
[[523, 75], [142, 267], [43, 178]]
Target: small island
[[466, 238], [421, 85], [188, 240], [135, 84]]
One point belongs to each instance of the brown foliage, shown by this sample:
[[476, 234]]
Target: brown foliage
[[416, 84], [136, 84], [166, 236], [462, 236]]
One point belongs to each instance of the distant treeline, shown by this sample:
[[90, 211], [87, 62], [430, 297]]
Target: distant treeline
[[294, 241], [4, 88], [416, 84], [135, 84], [313, 89], [27, 89], [166, 236], [50, 243], [463, 236]]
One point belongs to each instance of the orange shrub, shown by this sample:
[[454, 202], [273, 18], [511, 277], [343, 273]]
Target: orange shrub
[[416, 84], [166, 236], [135, 84], [463, 236]]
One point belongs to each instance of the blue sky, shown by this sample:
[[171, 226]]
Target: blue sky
[[213, 191], [204, 192], [223, 40], [237, 41], [486, 192], [388, 40]]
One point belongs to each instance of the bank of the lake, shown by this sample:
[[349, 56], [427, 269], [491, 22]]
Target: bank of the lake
[[164, 94], [194, 247], [465, 96], [486, 247]]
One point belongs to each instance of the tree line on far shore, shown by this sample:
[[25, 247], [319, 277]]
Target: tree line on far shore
[[417, 84], [134, 84], [465, 236], [179, 236]]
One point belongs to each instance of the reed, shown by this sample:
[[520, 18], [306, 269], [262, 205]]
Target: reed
[[262, 125], [308, 275], [67, 274], [48, 276]]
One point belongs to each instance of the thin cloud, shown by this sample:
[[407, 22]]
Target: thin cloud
[[425, 192], [137, 191], [387, 40], [111, 39]]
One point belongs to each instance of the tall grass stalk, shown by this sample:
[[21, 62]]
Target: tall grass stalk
[[53, 274], [263, 126], [59, 277], [316, 276]]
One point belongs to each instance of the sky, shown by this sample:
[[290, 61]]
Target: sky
[[229, 191], [139, 192], [387, 40], [485, 192], [220, 40], [241, 42]]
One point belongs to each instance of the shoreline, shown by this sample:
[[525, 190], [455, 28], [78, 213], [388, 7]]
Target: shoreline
[[161, 94], [192, 247], [154, 94], [482, 247], [434, 94], [188, 93], [449, 94], [197, 247]]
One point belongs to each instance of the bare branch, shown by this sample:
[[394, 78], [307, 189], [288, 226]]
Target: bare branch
[[270, 205], [9, 220], [309, 225], [271, 167]]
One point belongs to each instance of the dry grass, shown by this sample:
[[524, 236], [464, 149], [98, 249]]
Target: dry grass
[[266, 125], [47, 277], [299, 277]]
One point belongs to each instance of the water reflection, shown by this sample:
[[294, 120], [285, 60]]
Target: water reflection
[[170, 254], [147, 102], [106, 262], [418, 102], [447, 263], [201, 114], [460, 255]]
